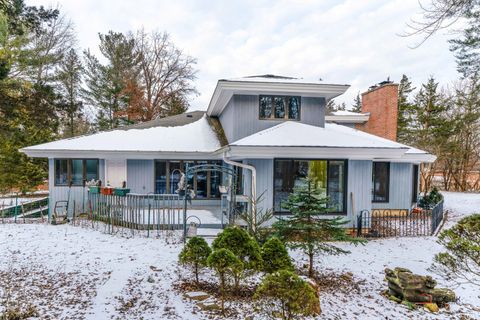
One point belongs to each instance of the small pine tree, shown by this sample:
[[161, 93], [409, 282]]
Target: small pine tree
[[275, 256], [290, 295], [307, 228], [243, 246], [223, 261], [461, 261], [357, 103], [195, 254]]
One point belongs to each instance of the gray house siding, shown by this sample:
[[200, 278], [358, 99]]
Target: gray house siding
[[141, 176], [77, 195], [359, 188], [401, 185], [264, 169], [240, 117]]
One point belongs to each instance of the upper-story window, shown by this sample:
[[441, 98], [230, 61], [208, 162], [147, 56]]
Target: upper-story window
[[279, 107]]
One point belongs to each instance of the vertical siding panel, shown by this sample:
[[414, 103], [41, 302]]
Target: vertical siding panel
[[51, 186], [360, 184], [400, 195], [240, 117], [264, 169], [140, 176], [101, 170]]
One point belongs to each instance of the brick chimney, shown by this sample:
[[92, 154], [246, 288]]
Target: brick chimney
[[381, 101]]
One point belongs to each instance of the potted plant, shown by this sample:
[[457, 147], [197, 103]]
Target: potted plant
[[93, 186]]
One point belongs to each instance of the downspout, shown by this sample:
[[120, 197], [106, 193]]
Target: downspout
[[254, 184]]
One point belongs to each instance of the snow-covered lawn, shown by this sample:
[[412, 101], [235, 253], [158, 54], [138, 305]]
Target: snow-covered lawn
[[69, 272]]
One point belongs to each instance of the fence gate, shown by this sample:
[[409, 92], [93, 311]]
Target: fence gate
[[229, 172]]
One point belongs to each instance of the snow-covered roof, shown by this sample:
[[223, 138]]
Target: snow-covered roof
[[275, 79], [345, 116], [270, 84], [292, 134], [197, 136], [297, 134], [345, 113]]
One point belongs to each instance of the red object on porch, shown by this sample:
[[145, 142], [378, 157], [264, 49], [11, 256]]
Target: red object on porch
[[106, 191], [417, 210]]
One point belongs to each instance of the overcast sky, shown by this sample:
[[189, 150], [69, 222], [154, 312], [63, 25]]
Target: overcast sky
[[353, 42]]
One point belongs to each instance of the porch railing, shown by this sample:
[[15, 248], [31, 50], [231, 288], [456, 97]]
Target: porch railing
[[137, 211], [383, 223], [32, 209]]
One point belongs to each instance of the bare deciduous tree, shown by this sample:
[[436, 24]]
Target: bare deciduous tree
[[166, 75]]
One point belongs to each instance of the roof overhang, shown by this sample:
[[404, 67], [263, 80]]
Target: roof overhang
[[360, 118], [269, 152], [225, 89], [121, 154]]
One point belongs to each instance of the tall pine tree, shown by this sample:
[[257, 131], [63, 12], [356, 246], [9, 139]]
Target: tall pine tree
[[431, 127], [71, 105], [405, 110], [106, 84]]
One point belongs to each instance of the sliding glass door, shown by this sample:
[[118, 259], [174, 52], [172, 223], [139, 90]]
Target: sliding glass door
[[329, 176], [205, 184]]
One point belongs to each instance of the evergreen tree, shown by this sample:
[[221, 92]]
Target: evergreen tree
[[307, 228], [245, 248], [290, 295], [106, 83], [357, 103], [331, 107], [275, 256], [28, 105], [195, 253], [224, 262], [405, 110], [431, 127], [461, 261], [71, 106]]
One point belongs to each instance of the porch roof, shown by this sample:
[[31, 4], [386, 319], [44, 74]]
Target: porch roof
[[293, 138], [194, 134]]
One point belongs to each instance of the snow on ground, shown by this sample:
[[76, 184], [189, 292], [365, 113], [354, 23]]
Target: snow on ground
[[69, 272]]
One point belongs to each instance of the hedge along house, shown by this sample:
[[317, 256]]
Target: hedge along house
[[274, 130]]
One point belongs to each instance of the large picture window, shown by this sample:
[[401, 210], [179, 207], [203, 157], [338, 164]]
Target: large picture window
[[328, 175], [279, 107], [205, 184], [381, 181], [75, 171]]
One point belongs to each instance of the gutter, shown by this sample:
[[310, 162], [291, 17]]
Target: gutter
[[254, 184]]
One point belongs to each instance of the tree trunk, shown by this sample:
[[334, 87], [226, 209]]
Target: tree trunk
[[222, 293], [310, 267], [196, 273]]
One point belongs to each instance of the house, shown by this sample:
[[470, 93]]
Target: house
[[273, 130]]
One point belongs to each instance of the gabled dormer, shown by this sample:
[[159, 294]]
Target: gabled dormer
[[248, 105]]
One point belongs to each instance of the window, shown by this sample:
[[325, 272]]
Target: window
[[381, 181], [205, 184], [279, 107], [61, 172], [415, 183], [328, 175], [75, 171]]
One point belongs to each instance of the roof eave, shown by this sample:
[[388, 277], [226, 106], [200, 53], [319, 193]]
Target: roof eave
[[120, 154], [226, 89], [353, 153], [348, 119]]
